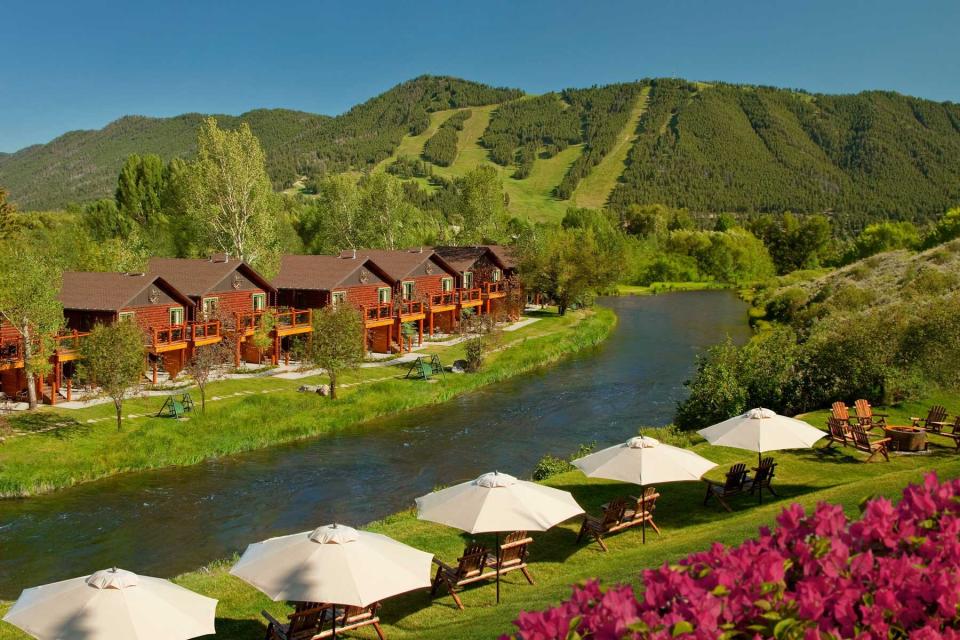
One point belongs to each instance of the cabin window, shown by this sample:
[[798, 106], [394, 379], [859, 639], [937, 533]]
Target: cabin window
[[176, 315], [127, 315], [383, 295], [467, 280], [408, 290], [495, 274], [338, 297], [210, 306], [259, 301], [447, 284]]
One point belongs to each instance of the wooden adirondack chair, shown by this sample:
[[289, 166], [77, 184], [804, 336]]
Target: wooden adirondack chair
[[862, 442], [954, 433], [613, 516], [304, 622], [762, 478], [471, 567], [733, 485], [350, 618], [841, 412], [839, 432], [935, 421], [513, 555], [867, 418], [640, 511]]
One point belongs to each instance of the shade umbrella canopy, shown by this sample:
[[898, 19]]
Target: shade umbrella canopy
[[335, 564], [762, 430], [497, 502], [644, 461], [113, 605]]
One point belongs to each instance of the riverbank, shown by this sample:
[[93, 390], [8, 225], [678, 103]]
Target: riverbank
[[256, 413], [655, 288], [835, 475]]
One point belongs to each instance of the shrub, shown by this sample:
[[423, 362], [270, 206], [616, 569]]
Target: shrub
[[892, 573], [550, 465], [475, 352]]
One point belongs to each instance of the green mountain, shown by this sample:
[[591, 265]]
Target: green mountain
[[707, 147]]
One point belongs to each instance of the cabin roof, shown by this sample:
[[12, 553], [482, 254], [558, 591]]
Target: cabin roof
[[506, 255], [464, 258], [322, 273], [198, 276], [398, 264], [108, 291]]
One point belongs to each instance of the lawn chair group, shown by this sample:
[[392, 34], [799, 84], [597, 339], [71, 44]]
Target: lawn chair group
[[620, 514], [738, 481], [479, 564], [315, 621]]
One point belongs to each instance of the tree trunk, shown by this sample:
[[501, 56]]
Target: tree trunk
[[203, 398], [333, 384], [118, 404], [28, 369], [562, 308]]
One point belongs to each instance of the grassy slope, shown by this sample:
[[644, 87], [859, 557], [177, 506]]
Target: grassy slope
[[594, 190], [412, 146], [807, 477], [267, 411]]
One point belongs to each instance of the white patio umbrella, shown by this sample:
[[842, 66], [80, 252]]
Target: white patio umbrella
[[497, 502], [644, 461], [113, 605], [335, 564], [762, 430]]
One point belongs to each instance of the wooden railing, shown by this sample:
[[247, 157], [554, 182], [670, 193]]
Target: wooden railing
[[446, 298], [68, 342], [379, 311], [287, 318], [410, 307], [494, 287], [468, 295], [204, 330], [168, 335]]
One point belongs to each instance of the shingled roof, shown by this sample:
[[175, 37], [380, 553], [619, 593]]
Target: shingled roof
[[464, 258], [97, 291], [322, 273], [197, 277], [398, 264], [506, 255]]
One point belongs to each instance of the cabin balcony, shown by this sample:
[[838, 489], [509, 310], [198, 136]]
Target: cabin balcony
[[11, 354], [289, 321], [377, 315], [204, 332], [446, 301], [469, 297], [66, 346], [411, 310], [494, 289], [171, 337]]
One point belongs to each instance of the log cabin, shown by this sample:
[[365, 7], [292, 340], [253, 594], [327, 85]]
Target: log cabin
[[229, 299], [484, 275], [13, 383], [423, 288], [158, 308], [315, 282]]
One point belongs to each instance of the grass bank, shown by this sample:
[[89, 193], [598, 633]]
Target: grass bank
[[665, 287], [808, 477], [256, 413]]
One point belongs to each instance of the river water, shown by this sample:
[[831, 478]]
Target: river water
[[168, 521]]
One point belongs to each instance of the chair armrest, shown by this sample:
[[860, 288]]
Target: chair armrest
[[441, 564], [713, 483], [516, 543], [881, 441], [271, 619]]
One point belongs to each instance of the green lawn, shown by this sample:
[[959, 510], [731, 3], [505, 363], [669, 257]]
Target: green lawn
[[260, 412], [662, 287], [834, 475]]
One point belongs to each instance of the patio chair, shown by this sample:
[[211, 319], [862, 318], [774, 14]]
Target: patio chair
[[954, 433], [867, 418], [349, 619], [471, 567], [862, 442], [762, 478], [733, 485], [513, 555], [304, 622], [839, 432], [841, 412], [613, 516], [935, 421], [642, 509]]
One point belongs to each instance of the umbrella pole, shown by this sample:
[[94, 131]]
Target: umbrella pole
[[333, 621], [759, 489], [643, 513], [498, 567]]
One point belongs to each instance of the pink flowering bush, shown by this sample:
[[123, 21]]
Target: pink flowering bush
[[893, 573]]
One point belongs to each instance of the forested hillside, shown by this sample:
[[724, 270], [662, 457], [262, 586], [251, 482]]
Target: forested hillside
[[704, 147]]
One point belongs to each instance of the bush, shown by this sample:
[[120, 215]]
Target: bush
[[893, 573], [475, 353], [550, 465]]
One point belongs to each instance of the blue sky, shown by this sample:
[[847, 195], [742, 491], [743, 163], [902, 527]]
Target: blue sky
[[79, 65]]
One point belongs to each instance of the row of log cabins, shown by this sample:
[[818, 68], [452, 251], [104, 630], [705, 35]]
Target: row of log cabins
[[182, 305]]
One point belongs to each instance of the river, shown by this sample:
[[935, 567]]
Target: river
[[172, 520]]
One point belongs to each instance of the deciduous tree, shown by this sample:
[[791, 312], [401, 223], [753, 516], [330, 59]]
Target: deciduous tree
[[336, 344], [114, 357]]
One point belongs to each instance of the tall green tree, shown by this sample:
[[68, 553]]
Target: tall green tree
[[337, 342], [29, 288], [8, 221], [332, 220], [231, 195], [483, 209], [114, 359], [389, 220]]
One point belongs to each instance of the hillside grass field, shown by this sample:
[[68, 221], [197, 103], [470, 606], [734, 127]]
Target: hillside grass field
[[835, 475]]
